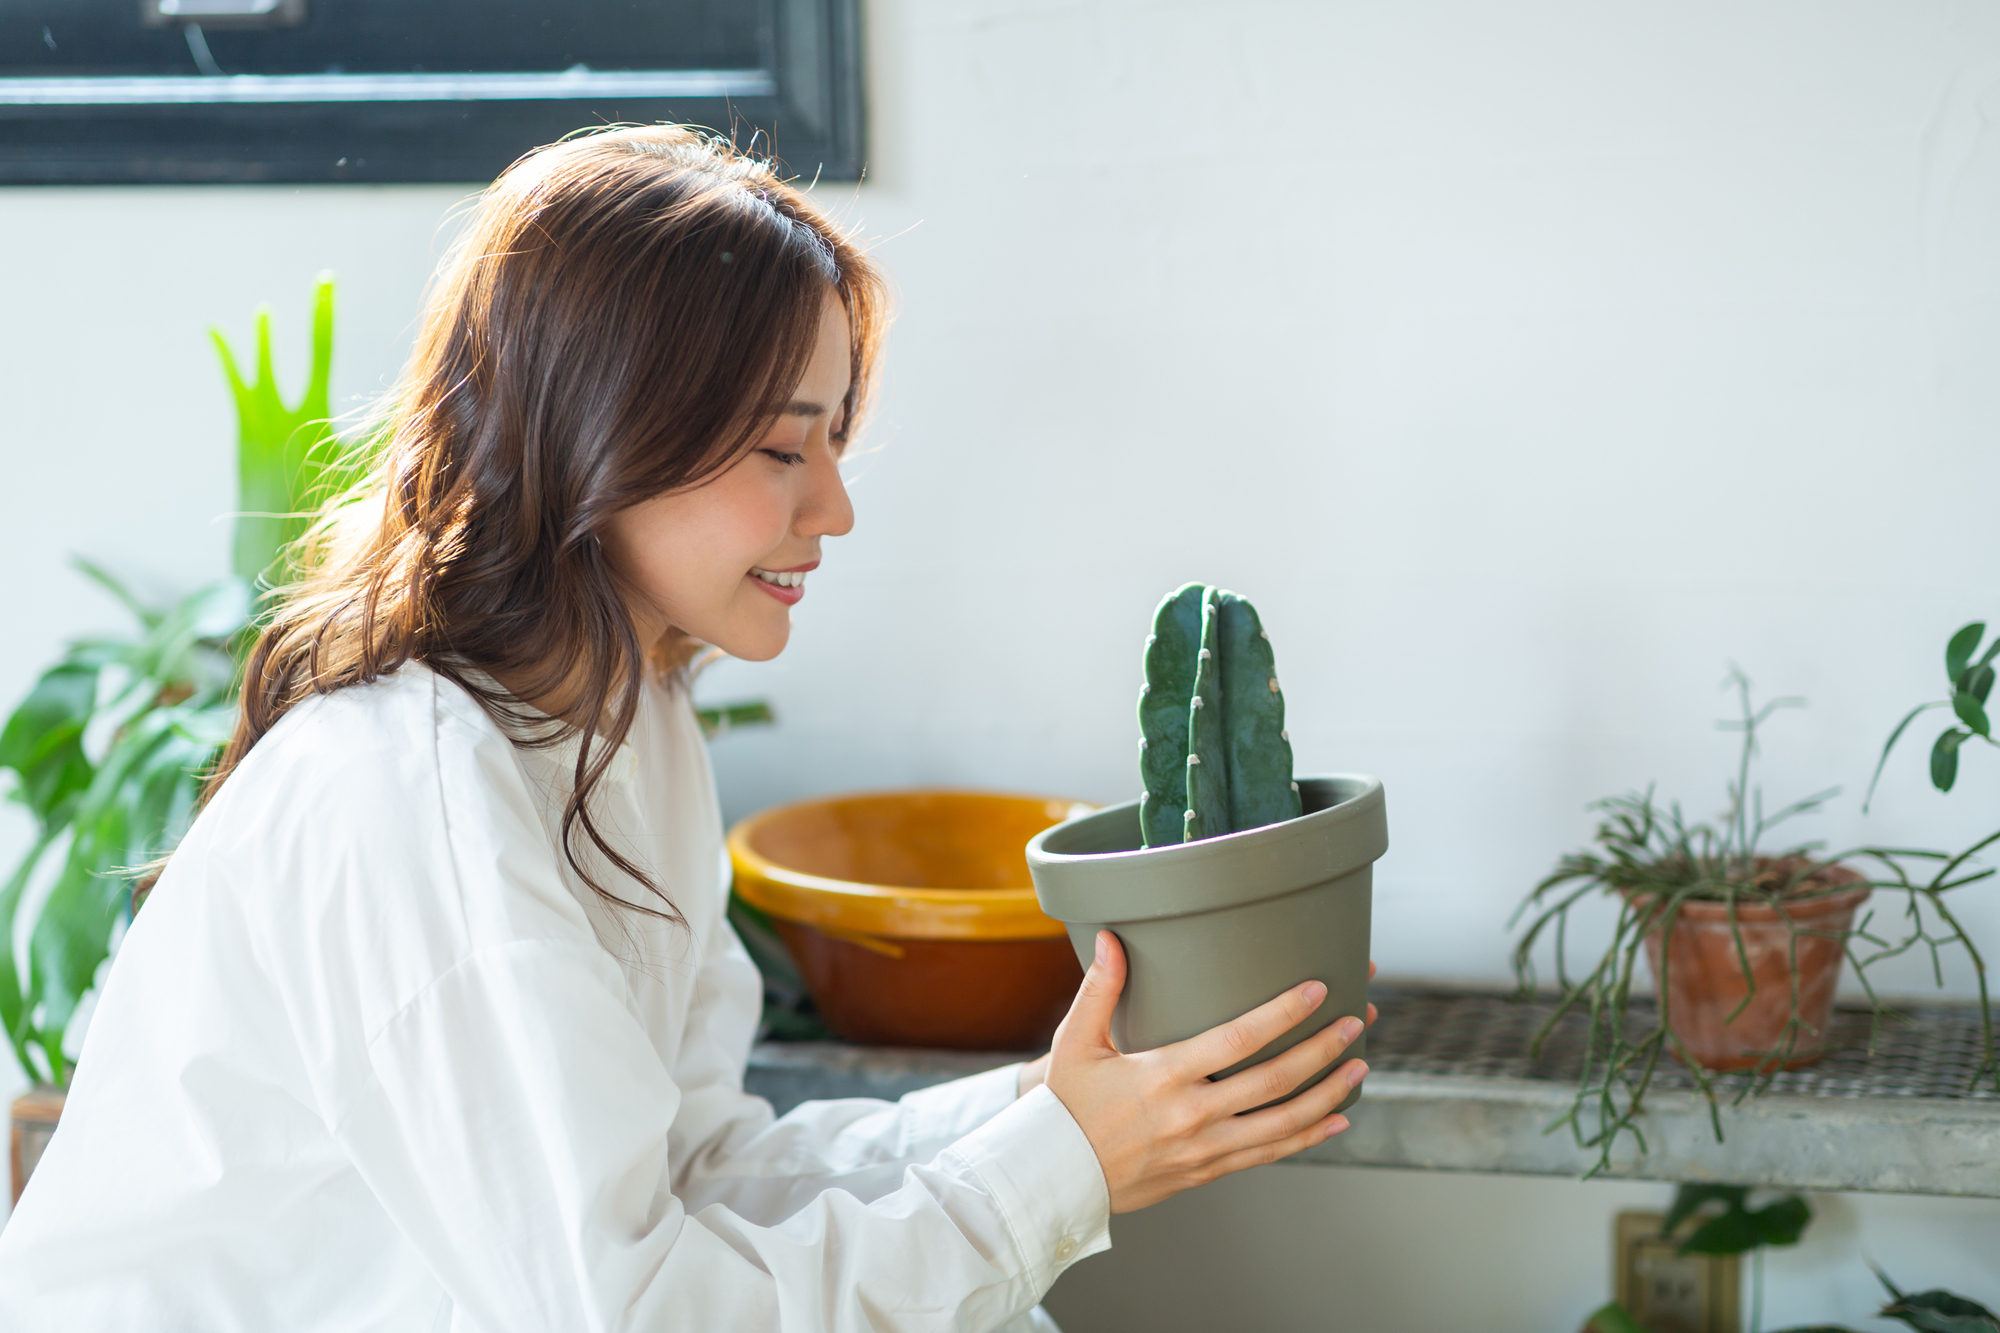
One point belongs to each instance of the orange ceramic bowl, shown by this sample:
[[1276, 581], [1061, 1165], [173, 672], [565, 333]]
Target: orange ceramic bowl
[[911, 915]]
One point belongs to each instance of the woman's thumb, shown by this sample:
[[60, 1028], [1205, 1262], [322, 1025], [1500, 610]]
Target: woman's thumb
[[1088, 1023]]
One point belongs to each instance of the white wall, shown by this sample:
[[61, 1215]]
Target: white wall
[[1525, 363]]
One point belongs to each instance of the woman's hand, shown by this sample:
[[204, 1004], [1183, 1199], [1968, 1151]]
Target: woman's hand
[[1156, 1122], [1036, 1072]]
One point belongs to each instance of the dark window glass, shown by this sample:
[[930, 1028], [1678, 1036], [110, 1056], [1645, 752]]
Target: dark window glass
[[413, 90]]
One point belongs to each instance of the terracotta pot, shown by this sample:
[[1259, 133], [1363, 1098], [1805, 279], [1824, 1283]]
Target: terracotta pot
[[911, 914], [1705, 980], [35, 1114]]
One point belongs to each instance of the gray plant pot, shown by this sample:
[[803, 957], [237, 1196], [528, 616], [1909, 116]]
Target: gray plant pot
[[1212, 929]]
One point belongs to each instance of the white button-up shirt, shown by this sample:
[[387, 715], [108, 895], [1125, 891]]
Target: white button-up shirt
[[372, 1058]]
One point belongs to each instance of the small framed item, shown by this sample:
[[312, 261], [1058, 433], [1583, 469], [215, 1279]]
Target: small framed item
[[236, 91], [1667, 1292]]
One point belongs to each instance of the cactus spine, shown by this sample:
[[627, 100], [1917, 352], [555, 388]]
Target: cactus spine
[[1213, 747]]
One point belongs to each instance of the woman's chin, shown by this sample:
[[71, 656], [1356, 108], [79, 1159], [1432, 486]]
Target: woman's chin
[[759, 644]]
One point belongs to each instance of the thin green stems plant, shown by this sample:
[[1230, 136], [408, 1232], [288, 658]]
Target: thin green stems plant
[[1653, 861]]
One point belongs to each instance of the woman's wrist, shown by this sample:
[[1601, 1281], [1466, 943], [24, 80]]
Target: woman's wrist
[[1033, 1075]]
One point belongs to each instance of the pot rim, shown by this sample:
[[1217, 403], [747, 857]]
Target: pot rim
[[1830, 902], [891, 911], [1212, 874]]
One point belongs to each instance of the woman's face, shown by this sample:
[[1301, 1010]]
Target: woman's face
[[727, 560]]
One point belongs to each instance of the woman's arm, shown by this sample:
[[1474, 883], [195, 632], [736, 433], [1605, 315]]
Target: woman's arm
[[517, 1128], [726, 1140]]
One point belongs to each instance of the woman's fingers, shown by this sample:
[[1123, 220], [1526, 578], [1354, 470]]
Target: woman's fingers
[[1277, 1076], [1087, 1026], [1280, 1123], [1277, 1150], [1220, 1047]]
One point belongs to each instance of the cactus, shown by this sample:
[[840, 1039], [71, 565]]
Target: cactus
[[1212, 748]]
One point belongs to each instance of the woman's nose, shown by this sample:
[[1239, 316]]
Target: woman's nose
[[827, 511]]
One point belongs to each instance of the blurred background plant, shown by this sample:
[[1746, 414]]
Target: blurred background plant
[[1970, 680], [1728, 1225]]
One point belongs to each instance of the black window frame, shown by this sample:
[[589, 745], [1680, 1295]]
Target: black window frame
[[805, 106]]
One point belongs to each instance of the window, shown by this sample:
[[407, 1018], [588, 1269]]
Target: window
[[181, 91]]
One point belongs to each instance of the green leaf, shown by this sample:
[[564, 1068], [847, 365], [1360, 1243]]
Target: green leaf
[[1944, 758], [727, 717], [1979, 679], [273, 443], [1936, 1311], [17, 1001], [1941, 1312], [71, 937], [1958, 652], [1971, 713], [1732, 1232], [1782, 1222], [1688, 1200], [1737, 1228], [43, 740], [1612, 1318], [1894, 736], [141, 799]]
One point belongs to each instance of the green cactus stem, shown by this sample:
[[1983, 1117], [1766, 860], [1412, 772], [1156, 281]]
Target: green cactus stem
[[1213, 749]]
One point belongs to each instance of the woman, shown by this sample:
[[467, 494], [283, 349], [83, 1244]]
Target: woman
[[434, 1019]]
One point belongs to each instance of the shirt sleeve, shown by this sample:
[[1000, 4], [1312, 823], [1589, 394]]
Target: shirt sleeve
[[517, 1124], [729, 1149]]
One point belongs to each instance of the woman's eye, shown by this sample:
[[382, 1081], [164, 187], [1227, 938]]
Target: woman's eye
[[789, 460]]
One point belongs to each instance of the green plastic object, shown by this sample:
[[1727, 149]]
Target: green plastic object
[[1213, 749], [1213, 928]]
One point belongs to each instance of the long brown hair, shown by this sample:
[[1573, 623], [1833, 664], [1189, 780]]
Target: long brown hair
[[624, 313]]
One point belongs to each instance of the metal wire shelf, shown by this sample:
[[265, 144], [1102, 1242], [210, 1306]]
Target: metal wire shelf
[[1928, 1051]]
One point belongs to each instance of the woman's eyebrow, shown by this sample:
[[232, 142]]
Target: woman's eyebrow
[[801, 408]]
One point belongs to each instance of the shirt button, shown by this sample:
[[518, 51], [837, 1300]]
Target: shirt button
[[1066, 1249]]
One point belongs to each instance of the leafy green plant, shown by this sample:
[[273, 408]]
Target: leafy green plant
[[111, 745], [1737, 1228], [1730, 1226], [1653, 861], [1970, 680]]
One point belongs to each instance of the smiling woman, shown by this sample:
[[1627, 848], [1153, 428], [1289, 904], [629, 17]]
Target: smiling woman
[[435, 1017]]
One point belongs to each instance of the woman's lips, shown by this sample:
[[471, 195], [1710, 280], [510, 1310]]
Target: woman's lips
[[789, 596], [787, 585]]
